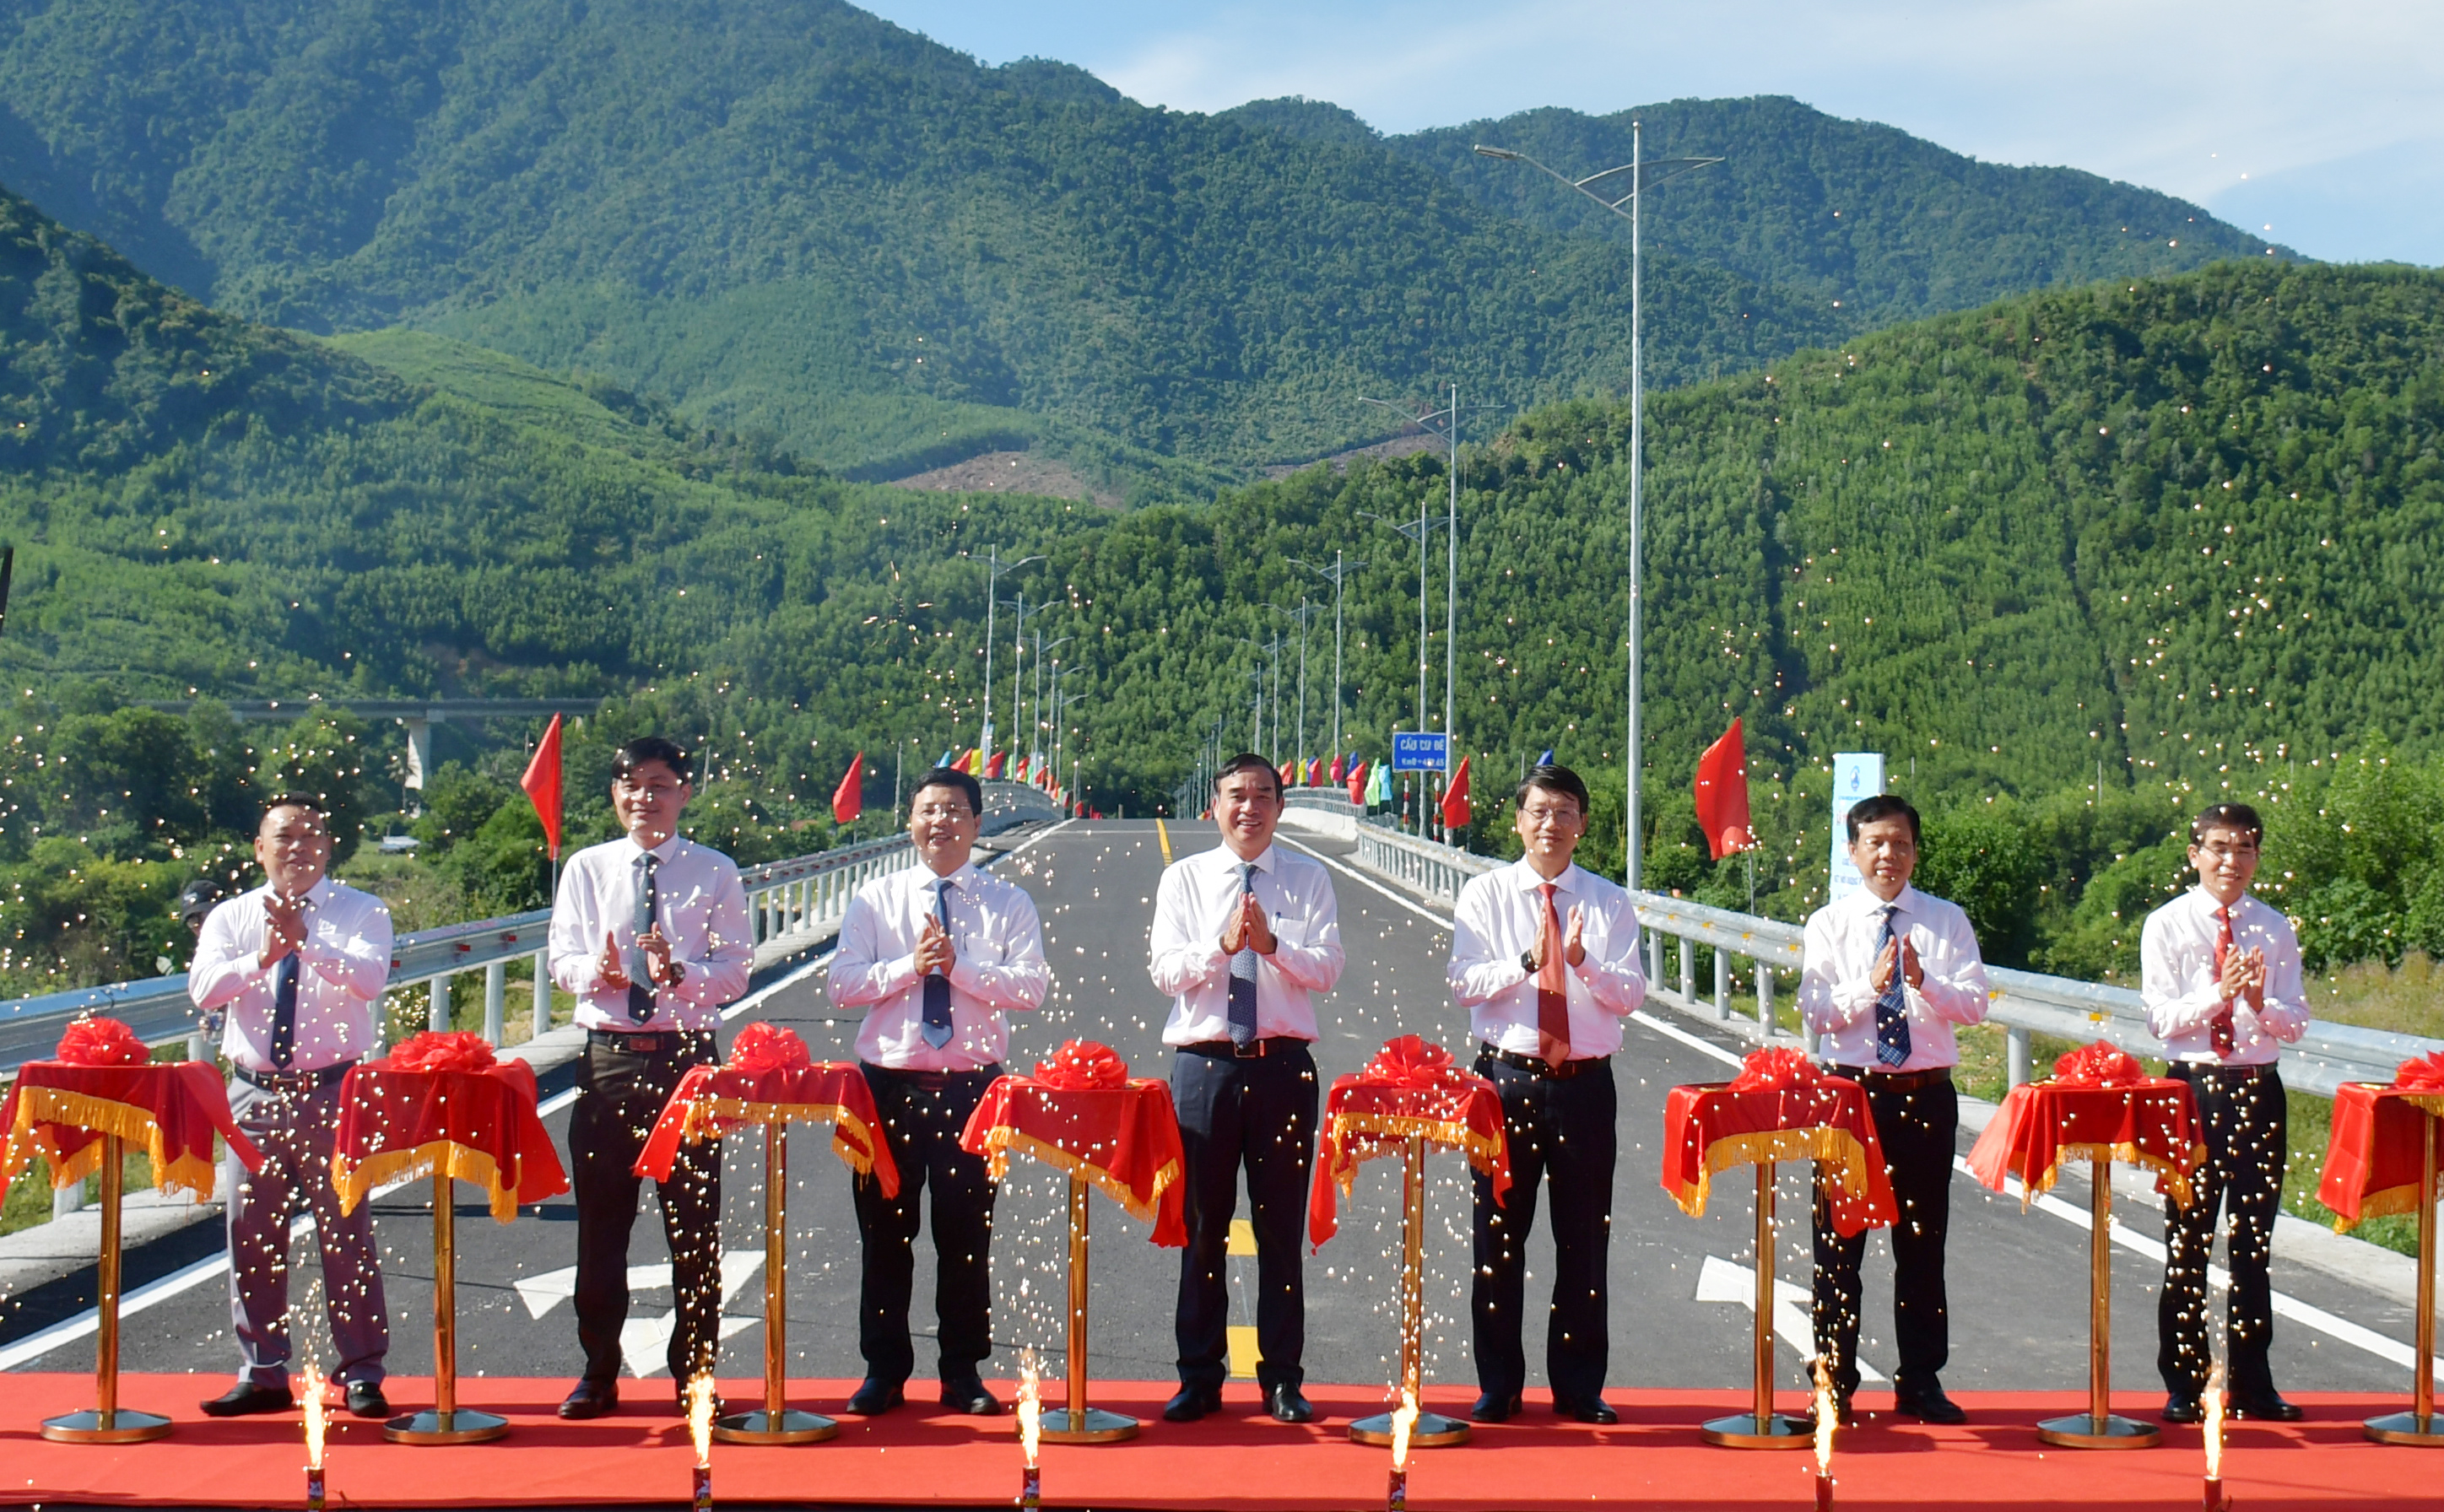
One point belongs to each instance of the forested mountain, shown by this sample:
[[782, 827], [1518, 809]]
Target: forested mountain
[[792, 218]]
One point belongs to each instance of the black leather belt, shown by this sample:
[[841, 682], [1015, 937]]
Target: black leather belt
[[660, 1041], [930, 1080], [292, 1080], [1537, 1066], [1253, 1050], [1894, 1080], [2180, 1068]]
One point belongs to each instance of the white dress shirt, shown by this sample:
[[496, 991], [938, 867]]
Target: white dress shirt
[[701, 909], [1837, 992], [2177, 980], [1197, 898], [1498, 920], [341, 970], [998, 942]]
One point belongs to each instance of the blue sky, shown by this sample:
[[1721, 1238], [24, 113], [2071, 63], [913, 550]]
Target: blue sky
[[2320, 121]]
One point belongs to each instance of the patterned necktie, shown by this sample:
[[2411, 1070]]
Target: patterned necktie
[[1892, 1005], [936, 1024], [640, 992], [1241, 1015], [2221, 1024], [284, 1012], [1553, 987]]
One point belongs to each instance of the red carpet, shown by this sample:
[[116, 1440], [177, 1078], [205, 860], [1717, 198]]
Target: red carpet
[[912, 1457]]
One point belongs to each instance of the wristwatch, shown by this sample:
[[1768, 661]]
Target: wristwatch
[[1528, 962]]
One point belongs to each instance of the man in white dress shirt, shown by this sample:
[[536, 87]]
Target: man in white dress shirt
[[1545, 958], [650, 935], [297, 967], [1243, 935], [937, 955], [2219, 970], [1887, 975]]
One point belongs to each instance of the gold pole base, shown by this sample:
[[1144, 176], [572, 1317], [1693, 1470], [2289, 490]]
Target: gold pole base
[[1432, 1430], [1092, 1426], [762, 1427], [2081, 1432], [461, 1427], [2393, 1428], [1741, 1431], [94, 1426]]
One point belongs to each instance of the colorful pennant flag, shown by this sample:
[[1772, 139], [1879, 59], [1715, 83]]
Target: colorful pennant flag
[[848, 800]]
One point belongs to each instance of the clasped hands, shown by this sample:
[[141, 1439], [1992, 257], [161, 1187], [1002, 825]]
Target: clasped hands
[[1574, 940], [1913, 970], [613, 968], [1248, 930], [2244, 978], [284, 928]]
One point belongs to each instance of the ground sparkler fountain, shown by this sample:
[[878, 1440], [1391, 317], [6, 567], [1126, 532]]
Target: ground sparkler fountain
[[1403, 1419], [1828, 1416], [1030, 1430], [699, 1419], [318, 1420], [2214, 1500]]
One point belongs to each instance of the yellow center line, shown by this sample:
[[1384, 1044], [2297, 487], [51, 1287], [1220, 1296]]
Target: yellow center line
[[1163, 835]]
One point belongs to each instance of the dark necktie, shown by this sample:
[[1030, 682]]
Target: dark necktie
[[1892, 1005], [936, 1024], [1241, 1015], [1553, 987], [283, 1011], [640, 991], [2221, 1024]]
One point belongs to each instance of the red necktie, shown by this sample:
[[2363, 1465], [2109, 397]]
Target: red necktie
[[1553, 992], [2222, 1023]]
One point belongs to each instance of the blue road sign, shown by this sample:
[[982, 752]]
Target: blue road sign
[[1421, 751]]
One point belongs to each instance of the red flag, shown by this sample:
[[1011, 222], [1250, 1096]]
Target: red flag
[[1315, 772], [1289, 773], [848, 800], [1339, 768], [995, 764], [541, 782], [1455, 810], [1357, 781], [1722, 793]]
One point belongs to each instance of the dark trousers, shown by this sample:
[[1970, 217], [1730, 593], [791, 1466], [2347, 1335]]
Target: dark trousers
[[1562, 1132], [619, 1093], [1258, 1114], [1916, 1129], [2247, 1122], [922, 1114]]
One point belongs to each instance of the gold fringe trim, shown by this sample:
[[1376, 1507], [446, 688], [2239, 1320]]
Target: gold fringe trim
[[2429, 1102], [1002, 1139], [1838, 1148], [705, 1116], [2175, 1176], [1448, 1132], [2383, 1203], [37, 1106], [354, 1179]]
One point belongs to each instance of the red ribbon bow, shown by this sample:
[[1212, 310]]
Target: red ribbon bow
[[2424, 1074], [1082, 1066], [101, 1043], [430, 1051], [1776, 1070], [1409, 1062], [762, 1048], [2101, 1064]]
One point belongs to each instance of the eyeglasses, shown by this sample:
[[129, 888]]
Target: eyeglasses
[[941, 811]]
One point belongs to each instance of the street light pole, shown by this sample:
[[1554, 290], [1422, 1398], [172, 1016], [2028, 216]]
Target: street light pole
[[1337, 577], [1450, 605], [994, 569], [1641, 173]]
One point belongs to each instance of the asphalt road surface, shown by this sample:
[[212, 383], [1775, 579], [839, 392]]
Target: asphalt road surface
[[2018, 1281]]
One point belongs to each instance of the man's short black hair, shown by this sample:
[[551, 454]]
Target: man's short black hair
[[1883, 805], [1248, 760], [307, 802], [952, 777], [646, 749], [1552, 779], [2228, 816]]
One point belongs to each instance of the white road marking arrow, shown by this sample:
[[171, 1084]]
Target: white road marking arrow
[[1722, 1280], [645, 1338]]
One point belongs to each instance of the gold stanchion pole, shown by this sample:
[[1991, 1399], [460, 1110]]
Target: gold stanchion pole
[[447, 1423], [1432, 1430], [776, 1424], [1761, 1426], [2097, 1428], [2417, 1426], [107, 1423], [1077, 1423]]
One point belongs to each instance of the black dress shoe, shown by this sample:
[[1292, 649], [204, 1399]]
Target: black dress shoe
[[1287, 1406], [1588, 1410], [1191, 1404], [1930, 1406], [969, 1396], [2182, 1407], [246, 1399], [590, 1399], [365, 1399], [2266, 1408], [875, 1398], [1492, 1408]]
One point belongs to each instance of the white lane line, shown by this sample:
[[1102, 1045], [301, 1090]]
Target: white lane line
[[1033, 841], [1673, 1031], [1364, 881]]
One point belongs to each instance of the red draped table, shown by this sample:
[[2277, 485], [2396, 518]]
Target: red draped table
[[1779, 1108], [2099, 1108], [1409, 1096], [2381, 1160], [770, 1080], [1082, 1113], [441, 1105], [79, 1113]]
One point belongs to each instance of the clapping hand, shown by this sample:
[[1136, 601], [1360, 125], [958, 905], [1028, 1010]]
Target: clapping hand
[[1248, 930], [1574, 949], [284, 928], [610, 966], [656, 946], [1913, 970], [935, 954], [2244, 977]]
